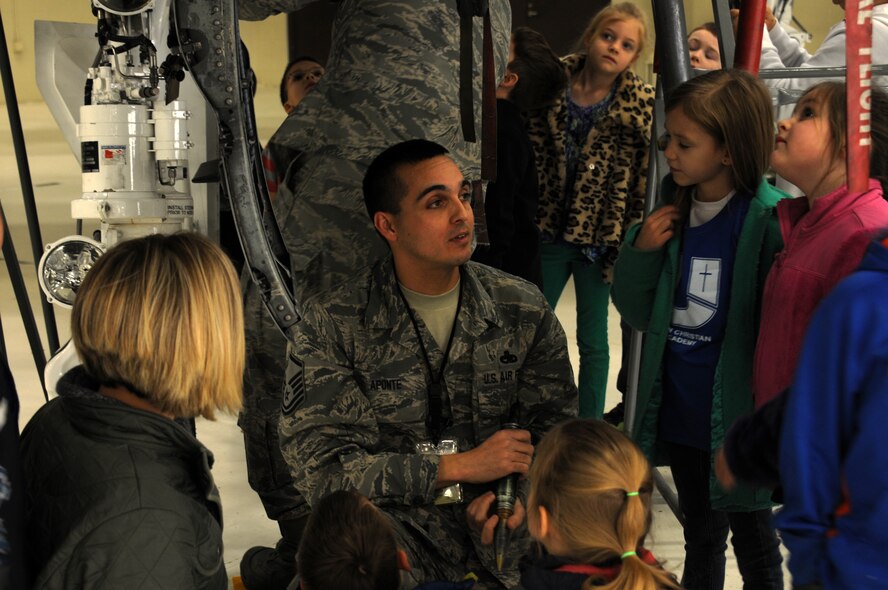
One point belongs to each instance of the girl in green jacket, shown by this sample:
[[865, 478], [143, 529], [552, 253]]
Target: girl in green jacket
[[690, 277]]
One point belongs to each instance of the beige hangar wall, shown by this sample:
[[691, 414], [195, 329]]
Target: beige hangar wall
[[267, 39]]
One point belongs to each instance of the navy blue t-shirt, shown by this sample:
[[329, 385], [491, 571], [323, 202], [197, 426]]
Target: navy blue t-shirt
[[699, 317]]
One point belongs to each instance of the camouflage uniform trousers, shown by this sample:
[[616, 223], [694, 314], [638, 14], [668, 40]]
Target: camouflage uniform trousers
[[356, 402], [267, 471]]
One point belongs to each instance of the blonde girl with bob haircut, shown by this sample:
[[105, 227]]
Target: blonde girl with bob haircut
[[591, 148], [118, 490], [590, 506], [164, 320], [692, 278]]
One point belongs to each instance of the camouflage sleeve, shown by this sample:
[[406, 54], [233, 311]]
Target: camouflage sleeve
[[329, 432], [260, 9], [547, 392]]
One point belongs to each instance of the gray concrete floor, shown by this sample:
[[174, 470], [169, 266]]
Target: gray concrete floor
[[56, 180]]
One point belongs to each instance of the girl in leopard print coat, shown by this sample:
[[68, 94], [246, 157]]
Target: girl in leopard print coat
[[591, 149]]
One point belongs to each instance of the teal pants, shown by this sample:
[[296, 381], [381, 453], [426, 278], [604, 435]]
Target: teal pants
[[559, 262]]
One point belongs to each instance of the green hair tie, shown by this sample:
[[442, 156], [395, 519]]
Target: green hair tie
[[631, 494], [628, 553]]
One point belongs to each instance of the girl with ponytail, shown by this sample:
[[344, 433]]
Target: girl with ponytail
[[590, 508]]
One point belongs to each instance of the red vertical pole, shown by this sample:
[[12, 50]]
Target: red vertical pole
[[858, 55], [749, 35]]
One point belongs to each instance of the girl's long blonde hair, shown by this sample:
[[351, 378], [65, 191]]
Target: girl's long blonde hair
[[621, 11], [586, 474]]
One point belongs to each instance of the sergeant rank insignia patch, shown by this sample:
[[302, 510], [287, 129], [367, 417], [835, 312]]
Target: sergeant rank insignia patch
[[294, 387]]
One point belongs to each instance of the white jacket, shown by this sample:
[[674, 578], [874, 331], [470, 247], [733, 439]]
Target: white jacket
[[779, 50]]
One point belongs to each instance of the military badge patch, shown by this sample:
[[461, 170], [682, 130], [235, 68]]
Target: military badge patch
[[508, 358], [294, 386]]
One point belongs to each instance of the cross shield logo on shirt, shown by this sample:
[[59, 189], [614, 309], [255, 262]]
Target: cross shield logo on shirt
[[294, 386], [703, 294]]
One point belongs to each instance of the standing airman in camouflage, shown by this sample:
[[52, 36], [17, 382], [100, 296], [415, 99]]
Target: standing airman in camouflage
[[425, 348], [393, 74]]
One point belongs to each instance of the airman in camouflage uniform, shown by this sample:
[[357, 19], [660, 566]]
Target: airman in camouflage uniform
[[356, 398], [392, 75]]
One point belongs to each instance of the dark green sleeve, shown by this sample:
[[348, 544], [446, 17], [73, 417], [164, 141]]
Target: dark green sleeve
[[636, 276]]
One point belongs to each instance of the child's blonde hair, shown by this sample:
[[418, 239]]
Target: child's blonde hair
[[619, 12], [596, 486], [163, 317]]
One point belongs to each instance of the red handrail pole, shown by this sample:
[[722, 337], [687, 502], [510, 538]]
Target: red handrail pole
[[858, 56], [749, 36]]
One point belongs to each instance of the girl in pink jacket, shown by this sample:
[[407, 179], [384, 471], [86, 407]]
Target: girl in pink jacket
[[825, 233]]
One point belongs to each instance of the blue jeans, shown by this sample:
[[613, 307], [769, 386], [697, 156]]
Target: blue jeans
[[706, 531], [559, 262]]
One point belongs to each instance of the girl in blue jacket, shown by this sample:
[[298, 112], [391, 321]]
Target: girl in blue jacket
[[833, 458], [690, 277]]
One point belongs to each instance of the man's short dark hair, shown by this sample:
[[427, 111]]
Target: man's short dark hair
[[541, 75], [382, 183], [348, 543], [283, 87]]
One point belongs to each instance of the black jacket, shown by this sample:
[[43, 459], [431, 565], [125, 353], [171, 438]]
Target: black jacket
[[117, 497], [511, 202], [12, 525], [752, 446]]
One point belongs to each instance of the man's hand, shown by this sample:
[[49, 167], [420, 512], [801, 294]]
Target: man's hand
[[723, 471], [770, 19], [658, 228], [506, 452], [480, 520]]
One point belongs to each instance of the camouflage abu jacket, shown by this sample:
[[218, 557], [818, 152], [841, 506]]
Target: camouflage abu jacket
[[392, 75], [355, 399], [609, 190]]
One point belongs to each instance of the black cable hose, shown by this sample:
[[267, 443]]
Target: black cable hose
[[24, 304], [779, 9], [88, 85], [4, 358], [24, 170]]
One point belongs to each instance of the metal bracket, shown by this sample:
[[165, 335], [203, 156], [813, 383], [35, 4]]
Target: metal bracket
[[219, 70]]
